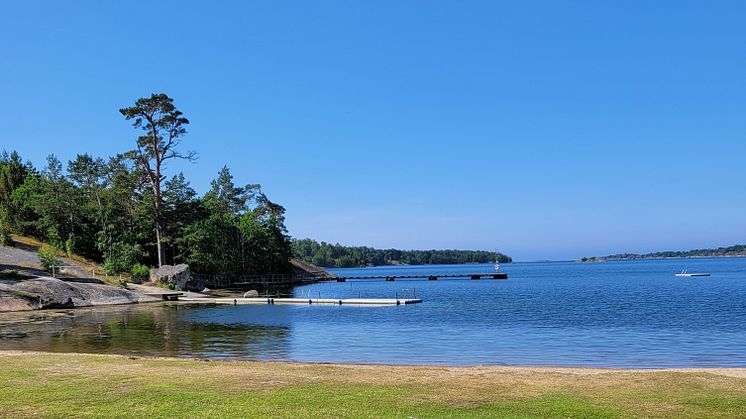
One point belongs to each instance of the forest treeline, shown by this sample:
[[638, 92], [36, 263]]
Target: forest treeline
[[338, 256], [736, 250], [124, 211]]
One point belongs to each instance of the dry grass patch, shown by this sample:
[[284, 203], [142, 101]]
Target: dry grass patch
[[101, 385]]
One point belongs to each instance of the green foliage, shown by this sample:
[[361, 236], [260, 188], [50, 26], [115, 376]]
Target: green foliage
[[70, 246], [140, 272], [48, 202], [108, 210], [163, 127], [12, 174], [110, 267], [736, 250], [243, 232], [122, 258], [103, 210], [48, 257], [335, 255], [5, 239]]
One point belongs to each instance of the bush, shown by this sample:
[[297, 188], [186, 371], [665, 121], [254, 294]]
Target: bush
[[109, 266], [54, 239], [123, 257], [140, 272], [48, 257], [70, 245], [5, 239]]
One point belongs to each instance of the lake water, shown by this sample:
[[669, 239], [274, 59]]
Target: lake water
[[611, 314]]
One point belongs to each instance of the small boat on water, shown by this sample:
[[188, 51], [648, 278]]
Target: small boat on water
[[684, 273]]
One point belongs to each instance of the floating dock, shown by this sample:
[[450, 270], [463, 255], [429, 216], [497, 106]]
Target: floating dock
[[166, 296], [429, 277], [280, 280], [307, 301]]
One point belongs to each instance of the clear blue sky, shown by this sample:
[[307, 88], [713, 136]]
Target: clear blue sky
[[547, 129]]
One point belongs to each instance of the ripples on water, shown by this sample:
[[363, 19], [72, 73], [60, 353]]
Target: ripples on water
[[612, 314]]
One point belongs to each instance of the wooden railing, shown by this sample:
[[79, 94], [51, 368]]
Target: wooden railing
[[225, 281]]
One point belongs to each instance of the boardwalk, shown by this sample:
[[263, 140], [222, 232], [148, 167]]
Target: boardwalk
[[307, 301], [279, 280], [429, 277]]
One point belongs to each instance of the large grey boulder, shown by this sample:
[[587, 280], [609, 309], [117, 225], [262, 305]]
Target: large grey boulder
[[251, 294], [178, 277]]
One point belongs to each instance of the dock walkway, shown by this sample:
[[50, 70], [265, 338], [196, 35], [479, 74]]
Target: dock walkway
[[429, 277], [327, 301], [279, 280]]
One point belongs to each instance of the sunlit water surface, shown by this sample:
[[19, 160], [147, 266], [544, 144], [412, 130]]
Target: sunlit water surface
[[610, 314]]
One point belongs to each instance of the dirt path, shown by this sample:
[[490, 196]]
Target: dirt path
[[23, 258]]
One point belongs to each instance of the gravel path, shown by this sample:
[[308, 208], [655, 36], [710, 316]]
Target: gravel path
[[24, 258]]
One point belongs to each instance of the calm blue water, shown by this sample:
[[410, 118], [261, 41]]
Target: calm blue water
[[610, 314]]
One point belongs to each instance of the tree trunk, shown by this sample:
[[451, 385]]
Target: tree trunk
[[158, 236], [158, 218]]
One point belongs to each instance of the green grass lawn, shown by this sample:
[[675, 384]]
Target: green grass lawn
[[65, 385]]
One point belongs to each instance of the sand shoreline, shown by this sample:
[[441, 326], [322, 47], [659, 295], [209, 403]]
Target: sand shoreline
[[727, 371]]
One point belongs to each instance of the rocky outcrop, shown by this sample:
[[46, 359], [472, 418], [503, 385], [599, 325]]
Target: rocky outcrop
[[301, 267], [251, 294], [178, 277], [42, 293]]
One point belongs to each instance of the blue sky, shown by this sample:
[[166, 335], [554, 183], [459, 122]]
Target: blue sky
[[547, 129]]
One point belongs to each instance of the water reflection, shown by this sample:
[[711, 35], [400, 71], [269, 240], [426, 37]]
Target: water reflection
[[164, 330], [612, 314]]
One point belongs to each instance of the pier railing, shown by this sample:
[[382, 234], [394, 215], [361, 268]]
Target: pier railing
[[274, 280], [226, 281]]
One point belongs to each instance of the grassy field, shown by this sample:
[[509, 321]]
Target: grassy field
[[65, 385]]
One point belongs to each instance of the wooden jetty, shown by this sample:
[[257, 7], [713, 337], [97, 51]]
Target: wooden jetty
[[307, 301], [280, 280], [166, 296], [429, 277]]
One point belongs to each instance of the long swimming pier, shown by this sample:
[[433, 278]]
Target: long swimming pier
[[326, 301], [429, 277], [277, 280]]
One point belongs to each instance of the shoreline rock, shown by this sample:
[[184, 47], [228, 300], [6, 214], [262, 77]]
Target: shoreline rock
[[51, 293], [179, 277]]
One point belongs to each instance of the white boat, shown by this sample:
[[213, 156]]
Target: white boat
[[684, 273], [497, 266]]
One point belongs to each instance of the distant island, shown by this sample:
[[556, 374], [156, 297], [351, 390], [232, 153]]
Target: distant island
[[731, 251], [338, 256]]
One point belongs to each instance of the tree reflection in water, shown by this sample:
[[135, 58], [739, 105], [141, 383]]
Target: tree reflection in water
[[157, 330]]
